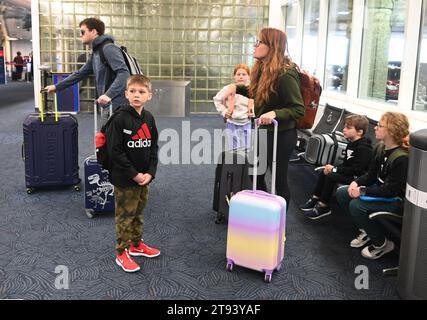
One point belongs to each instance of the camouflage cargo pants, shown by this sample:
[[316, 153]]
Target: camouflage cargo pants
[[130, 203]]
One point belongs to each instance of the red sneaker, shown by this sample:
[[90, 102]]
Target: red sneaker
[[126, 262], [143, 250]]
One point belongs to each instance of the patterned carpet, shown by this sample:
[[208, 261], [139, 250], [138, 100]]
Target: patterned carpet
[[48, 231]]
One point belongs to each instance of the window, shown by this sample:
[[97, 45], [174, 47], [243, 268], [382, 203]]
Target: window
[[338, 46], [421, 82], [290, 12], [382, 50], [310, 36]]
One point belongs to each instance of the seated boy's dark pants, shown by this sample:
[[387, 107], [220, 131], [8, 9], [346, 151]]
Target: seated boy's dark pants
[[360, 210], [129, 204], [326, 184]]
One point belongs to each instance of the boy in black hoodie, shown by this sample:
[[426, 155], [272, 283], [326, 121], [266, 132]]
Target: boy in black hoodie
[[357, 157], [132, 143]]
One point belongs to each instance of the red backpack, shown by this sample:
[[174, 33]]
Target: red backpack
[[310, 91]]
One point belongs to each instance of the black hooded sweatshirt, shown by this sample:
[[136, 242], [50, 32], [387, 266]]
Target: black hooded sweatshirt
[[358, 155], [132, 142]]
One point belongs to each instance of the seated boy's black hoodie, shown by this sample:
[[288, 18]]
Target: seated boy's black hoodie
[[132, 143], [358, 155]]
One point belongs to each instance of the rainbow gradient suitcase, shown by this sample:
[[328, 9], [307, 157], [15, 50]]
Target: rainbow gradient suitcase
[[257, 225]]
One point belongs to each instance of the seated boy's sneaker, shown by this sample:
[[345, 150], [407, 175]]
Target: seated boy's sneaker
[[143, 250], [309, 205], [361, 240], [126, 262], [374, 252], [318, 212]]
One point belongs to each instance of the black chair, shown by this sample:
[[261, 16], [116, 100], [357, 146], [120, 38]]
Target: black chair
[[332, 118], [392, 224]]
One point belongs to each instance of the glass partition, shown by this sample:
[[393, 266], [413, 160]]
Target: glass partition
[[196, 40]]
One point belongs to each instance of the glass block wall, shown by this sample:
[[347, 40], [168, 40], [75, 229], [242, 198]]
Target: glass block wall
[[196, 40]]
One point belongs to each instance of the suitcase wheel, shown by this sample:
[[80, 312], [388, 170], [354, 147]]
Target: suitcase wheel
[[77, 187], [229, 266], [30, 190], [267, 277], [90, 213]]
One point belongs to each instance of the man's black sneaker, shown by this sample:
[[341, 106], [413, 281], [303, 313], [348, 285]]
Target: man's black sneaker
[[309, 205]]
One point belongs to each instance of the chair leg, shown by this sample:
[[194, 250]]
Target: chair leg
[[391, 271]]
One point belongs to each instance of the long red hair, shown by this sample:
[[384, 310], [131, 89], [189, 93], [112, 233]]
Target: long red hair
[[265, 72]]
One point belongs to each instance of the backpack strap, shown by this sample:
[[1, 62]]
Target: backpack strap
[[101, 52], [397, 153], [110, 119]]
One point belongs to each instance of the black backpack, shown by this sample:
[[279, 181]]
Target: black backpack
[[131, 62], [101, 143]]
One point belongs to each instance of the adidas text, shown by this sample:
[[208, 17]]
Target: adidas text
[[139, 143]]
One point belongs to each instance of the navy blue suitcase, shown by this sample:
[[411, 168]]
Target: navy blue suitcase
[[99, 192], [50, 151]]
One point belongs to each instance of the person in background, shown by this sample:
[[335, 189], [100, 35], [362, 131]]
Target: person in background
[[275, 87], [357, 157], [19, 66], [382, 188], [236, 108], [110, 78]]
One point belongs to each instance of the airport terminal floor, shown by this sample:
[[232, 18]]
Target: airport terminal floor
[[49, 230]]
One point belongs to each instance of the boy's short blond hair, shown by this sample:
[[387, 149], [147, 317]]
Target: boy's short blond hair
[[139, 79], [358, 122]]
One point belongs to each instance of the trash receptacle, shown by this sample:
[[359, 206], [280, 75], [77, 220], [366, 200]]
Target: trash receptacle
[[412, 277]]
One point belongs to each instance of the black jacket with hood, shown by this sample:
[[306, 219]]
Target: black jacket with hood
[[132, 143], [358, 155]]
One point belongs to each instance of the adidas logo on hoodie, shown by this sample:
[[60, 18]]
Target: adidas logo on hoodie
[[142, 139]]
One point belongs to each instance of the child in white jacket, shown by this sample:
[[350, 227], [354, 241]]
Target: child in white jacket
[[236, 108]]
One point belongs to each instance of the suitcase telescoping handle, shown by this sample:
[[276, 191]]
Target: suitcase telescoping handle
[[273, 164], [95, 117], [43, 103]]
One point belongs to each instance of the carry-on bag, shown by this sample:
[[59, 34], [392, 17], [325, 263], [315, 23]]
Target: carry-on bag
[[231, 176], [257, 224], [50, 149], [99, 192], [327, 148]]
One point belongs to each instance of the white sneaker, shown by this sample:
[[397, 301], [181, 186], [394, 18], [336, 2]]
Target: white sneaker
[[361, 240], [374, 252]]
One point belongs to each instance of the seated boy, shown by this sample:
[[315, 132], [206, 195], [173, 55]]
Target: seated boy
[[357, 157]]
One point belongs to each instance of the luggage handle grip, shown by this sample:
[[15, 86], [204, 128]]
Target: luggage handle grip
[[42, 100], [273, 164], [95, 116]]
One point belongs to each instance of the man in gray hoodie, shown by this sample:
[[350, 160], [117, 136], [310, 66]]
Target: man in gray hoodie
[[111, 76]]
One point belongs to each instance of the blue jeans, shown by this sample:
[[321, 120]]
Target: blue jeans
[[360, 210], [238, 136]]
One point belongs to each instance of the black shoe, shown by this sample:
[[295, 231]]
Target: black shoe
[[318, 212], [309, 205]]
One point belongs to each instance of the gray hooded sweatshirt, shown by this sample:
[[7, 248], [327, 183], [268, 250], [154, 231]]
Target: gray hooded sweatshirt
[[109, 81]]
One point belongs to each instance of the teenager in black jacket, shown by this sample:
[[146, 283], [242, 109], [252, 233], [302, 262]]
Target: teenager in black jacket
[[356, 161], [384, 184]]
